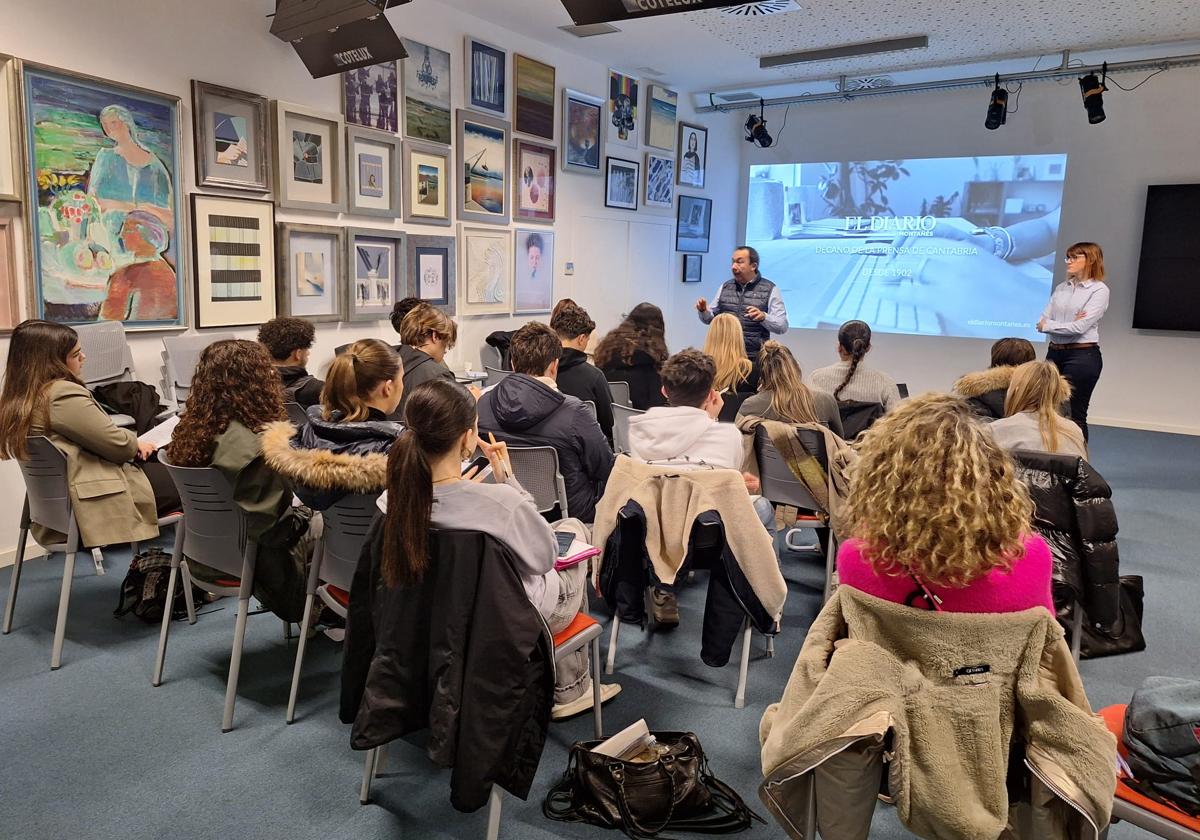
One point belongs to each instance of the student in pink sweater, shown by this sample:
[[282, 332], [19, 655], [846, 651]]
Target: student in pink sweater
[[939, 519]]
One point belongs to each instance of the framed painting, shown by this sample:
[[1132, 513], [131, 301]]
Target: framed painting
[[621, 109], [104, 204], [425, 80], [233, 275], [312, 265], [370, 97], [374, 169], [10, 129], [533, 97], [693, 268], [661, 106], [376, 280], [230, 131], [483, 167], [432, 273], [487, 77], [10, 284], [621, 178], [660, 181], [691, 155], [427, 181], [582, 136], [533, 275], [693, 224], [486, 260], [309, 159], [533, 181]]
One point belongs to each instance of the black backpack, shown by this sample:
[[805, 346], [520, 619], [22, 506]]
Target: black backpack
[[144, 590], [1162, 732]]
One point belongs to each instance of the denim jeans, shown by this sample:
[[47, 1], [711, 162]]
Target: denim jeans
[[572, 677], [1081, 367]]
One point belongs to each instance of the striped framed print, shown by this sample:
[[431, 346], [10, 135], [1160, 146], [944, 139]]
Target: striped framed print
[[234, 242]]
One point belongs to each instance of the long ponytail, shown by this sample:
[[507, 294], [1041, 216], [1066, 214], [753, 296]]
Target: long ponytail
[[855, 339], [354, 375]]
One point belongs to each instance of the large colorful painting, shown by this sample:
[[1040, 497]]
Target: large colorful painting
[[426, 74], [104, 205]]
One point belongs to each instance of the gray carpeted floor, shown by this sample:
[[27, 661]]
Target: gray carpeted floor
[[93, 751]]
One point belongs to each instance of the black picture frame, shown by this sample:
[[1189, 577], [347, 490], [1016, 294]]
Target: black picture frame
[[693, 224], [631, 170], [693, 268]]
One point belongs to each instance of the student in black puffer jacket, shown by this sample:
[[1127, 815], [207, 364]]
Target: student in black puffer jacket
[[576, 376], [634, 352]]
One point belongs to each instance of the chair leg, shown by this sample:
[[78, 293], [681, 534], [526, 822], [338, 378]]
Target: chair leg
[[235, 662], [287, 631], [612, 644], [770, 647], [739, 699], [364, 793], [15, 581], [308, 611], [64, 600], [495, 801], [810, 832], [595, 644], [830, 565], [165, 629], [187, 592], [1077, 632], [98, 560]]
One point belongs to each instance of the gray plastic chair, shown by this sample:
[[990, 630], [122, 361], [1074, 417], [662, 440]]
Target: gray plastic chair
[[489, 355], [107, 359], [536, 468], [182, 354], [296, 414], [620, 393], [591, 407], [495, 375], [346, 524], [621, 415]]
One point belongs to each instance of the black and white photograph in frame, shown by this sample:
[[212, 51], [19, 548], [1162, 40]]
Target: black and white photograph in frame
[[486, 76], [621, 180], [691, 155], [377, 261], [693, 224], [693, 265], [433, 270]]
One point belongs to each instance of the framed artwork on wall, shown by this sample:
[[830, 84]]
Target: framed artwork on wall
[[660, 181], [533, 181], [309, 159], [582, 132], [693, 224], [312, 264], [661, 106], [432, 274], [621, 109], [10, 129], [370, 97], [425, 76], [533, 97], [378, 259], [621, 179], [487, 77], [233, 280], [693, 268], [374, 169], [483, 168], [95, 258], [533, 275], [230, 135], [486, 260], [10, 284], [427, 183], [691, 155]]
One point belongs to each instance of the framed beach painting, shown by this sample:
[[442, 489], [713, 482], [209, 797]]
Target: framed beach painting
[[230, 135], [485, 259], [693, 224], [432, 275], [533, 274], [10, 129], [312, 267], [533, 181], [10, 284], [233, 281], [310, 158], [425, 80], [483, 168], [621, 109], [582, 132], [660, 181], [621, 178], [487, 77], [378, 260], [661, 106], [691, 155], [428, 178], [104, 201], [374, 169], [533, 97], [370, 97]]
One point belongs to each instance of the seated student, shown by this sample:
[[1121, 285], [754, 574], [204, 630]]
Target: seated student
[[633, 352], [576, 376], [783, 396], [527, 409], [985, 390], [234, 395], [44, 395], [1031, 413], [725, 345], [425, 474], [290, 341], [426, 333], [400, 309], [851, 378]]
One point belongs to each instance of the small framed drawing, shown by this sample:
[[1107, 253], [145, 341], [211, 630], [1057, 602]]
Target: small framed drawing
[[533, 97], [234, 259], [582, 134], [10, 296], [426, 85], [621, 109], [432, 274], [309, 159], [533, 277], [376, 280], [487, 77], [10, 129], [533, 181], [427, 181], [621, 179], [374, 169], [483, 168], [693, 224], [693, 268], [312, 263], [691, 155], [370, 97], [230, 131], [661, 105], [486, 259], [660, 181]]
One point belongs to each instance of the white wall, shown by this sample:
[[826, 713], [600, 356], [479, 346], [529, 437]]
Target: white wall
[[620, 257], [1150, 377]]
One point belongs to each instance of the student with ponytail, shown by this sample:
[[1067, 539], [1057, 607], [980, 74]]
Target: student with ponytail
[[783, 396], [851, 378], [1036, 393]]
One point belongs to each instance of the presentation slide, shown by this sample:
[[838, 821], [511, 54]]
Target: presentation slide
[[935, 246]]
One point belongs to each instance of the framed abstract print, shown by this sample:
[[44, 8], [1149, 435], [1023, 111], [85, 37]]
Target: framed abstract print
[[533, 97], [432, 274], [374, 168], [691, 155], [660, 181], [533, 274], [233, 279], [693, 268], [693, 224], [10, 285], [370, 97], [104, 200], [312, 265], [533, 181], [10, 129], [621, 178], [661, 106], [378, 260], [230, 136], [485, 261], [425, 81], [310, 159], [487, 77], [621, 109], [582, 132], [483, 169], [428, 177]]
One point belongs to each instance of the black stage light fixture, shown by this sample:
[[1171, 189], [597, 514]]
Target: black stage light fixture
[[997, 112], [756, 128], [1093, 94]]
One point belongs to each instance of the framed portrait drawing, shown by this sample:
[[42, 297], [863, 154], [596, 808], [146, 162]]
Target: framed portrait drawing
[[374, 169], [691, 155], [230, 131], [370, 97], [312, 263], [693, 224], [425, 80], [693, 268], [432, 274], [427, 182], [233, 279], [487, 77], [533, 274], [378, 260], [621, 179], [309, 159], [483, 168], [533, 181], [485, 261], [106, 246], [660, 181], [661, 105], [10, 285], [533, 97], [10, 129], [582, 133], [621, 109]]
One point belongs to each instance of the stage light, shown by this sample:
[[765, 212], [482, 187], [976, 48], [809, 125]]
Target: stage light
[[997, 112], [1093, 94], [756, 128]]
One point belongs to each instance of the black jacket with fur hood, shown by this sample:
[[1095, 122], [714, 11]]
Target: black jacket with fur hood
[[985, 391], [323, 474]]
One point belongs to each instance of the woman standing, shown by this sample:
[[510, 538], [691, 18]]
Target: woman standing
[[1071, 320]]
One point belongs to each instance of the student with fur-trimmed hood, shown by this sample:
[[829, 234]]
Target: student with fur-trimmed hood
[[985, 390]]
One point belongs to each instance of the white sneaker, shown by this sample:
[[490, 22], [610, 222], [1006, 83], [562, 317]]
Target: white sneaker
[[583, 703]]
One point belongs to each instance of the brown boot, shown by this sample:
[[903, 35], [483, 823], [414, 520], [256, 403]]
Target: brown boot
[[664, 607]]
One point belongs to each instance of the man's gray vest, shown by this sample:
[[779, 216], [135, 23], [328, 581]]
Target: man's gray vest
[[734, 299]]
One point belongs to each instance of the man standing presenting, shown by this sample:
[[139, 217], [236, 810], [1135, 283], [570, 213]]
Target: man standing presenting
[[751, 298]]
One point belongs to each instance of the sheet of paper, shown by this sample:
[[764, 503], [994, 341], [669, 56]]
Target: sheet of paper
[[161, 434]]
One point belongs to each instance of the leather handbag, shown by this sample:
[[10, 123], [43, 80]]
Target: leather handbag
[[674, 791], [1125, 635]]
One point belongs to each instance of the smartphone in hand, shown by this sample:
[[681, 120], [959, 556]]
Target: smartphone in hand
[[481, 464]]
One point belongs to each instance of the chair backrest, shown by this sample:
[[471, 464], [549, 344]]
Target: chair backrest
[[490, 356], [46, 489], [621, 415], [214, 526], [296, 414], [536, 467], [346, 525], [495, 374], [108, 358], [779, 485], [183, 352], [620, 393], [590, 405], [857, 416]]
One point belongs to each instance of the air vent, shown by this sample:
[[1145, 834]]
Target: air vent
[[917, 42], [740, 96], [590, 30], [867, 83], [762, 8]]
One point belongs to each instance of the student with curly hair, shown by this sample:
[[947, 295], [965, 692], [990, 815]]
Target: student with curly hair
[[290, 341], [426, 335], [634, 352]]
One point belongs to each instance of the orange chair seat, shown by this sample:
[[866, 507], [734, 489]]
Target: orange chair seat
[[581, 622], [1114, 719], [339, 595], [228, 583]]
